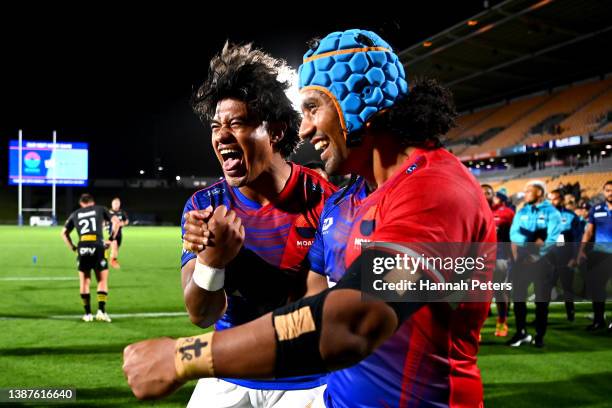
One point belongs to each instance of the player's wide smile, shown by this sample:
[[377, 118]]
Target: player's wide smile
[[321, 144], [233, 163]]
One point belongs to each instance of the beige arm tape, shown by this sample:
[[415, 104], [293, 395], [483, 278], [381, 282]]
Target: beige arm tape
[[193, 357]]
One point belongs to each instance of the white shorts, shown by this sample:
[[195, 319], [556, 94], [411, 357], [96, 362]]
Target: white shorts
[[216, 393]]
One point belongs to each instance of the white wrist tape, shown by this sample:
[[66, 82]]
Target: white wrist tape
[[207, 277]]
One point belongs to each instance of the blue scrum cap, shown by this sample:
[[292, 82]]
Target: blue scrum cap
[[359, 71]]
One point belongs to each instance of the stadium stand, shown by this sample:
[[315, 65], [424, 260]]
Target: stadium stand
[[465, 123], [540, 118], [606, 129], [500, 118], [591, 178], [588, 118]]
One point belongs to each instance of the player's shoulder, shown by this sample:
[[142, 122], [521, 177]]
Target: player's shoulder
[[204, 197], [346, 192], [74, 213], [435, 173]]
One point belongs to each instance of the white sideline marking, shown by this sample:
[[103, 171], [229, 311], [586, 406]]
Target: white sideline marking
[[122, 315], [39, 278], [112, 315]]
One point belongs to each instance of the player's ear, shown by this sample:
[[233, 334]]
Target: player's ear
[[277, 132]]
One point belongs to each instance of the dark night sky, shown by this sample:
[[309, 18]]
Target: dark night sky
[[121, 80]]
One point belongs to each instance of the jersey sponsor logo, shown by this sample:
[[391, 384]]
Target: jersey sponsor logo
[[412, 168], [304, 243], [359, 241], [524, 217], [86, 214], [600, 214], [315, 187], [418, 162], [87, 251], [215, 191], [327, 223]]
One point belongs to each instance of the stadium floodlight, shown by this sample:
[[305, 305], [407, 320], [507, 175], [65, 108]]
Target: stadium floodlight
[[160, 168], [608, 147], [141, 172], [178, 178], [603, 152]]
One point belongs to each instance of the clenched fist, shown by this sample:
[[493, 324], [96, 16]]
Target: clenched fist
[[149, 368], [226, 237], [196, 230]]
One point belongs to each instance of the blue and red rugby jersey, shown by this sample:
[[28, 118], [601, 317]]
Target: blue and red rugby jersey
[[326, 255], [270, 270], [431, 360]]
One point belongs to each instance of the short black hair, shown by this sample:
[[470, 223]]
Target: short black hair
[[558, 192], [607, 183], [86, 198], [422, 116], [250, 75], [487, 186]]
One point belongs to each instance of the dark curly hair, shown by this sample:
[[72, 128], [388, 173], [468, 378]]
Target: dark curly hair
[[249, 75], [422, 117]]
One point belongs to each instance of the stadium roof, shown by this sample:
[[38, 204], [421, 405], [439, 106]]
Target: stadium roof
[[515, 48]]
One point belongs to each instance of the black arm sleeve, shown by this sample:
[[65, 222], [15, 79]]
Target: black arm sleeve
[[69, 225], [352, 279]]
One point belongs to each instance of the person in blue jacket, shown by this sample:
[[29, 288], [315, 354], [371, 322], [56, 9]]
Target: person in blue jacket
[[566, 252], [534, 233], [599, 259]]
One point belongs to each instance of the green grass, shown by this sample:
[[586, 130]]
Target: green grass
[[575, 368]]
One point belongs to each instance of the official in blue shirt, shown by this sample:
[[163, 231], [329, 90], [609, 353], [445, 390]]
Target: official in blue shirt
[[534, 233], [599, 260]]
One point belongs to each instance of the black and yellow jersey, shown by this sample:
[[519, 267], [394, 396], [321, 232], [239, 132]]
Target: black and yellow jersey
[[89, 223]]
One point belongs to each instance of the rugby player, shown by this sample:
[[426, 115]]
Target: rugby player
[[271, 204], [599, 231], [115, 242], [89, 223], [368, 125], [565, 253], [502, 216]]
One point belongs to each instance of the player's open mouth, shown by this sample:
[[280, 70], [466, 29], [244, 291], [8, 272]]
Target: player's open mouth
[[320, 143], [232, 161]]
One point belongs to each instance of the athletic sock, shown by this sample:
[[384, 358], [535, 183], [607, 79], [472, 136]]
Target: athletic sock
[[502, 312], [86, 298], [102, 297]]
